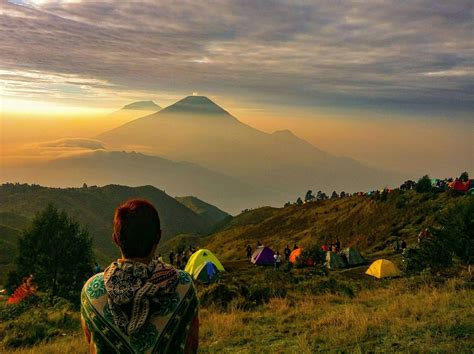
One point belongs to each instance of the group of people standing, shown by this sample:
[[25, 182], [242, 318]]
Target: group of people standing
[[180, 257], [334, 246]]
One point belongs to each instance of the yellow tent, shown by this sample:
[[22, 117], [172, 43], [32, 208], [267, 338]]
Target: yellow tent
[[200, 257], [383, 268]]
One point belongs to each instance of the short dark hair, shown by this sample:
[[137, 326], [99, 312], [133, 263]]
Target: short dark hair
[[136, 228]]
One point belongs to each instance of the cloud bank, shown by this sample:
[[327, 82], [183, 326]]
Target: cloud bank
[[372, 53]]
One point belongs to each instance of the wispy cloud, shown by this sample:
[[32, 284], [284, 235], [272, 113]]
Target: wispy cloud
[[345, 52]]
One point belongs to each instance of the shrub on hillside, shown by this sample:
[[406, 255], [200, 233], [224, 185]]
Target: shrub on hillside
[[13, 281], [424, 184], [58, 252], [454, 237], [219, 295], [311, 255], [457, 230]]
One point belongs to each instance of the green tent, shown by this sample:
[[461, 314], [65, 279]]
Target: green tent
[[334, 261], [353, 256]]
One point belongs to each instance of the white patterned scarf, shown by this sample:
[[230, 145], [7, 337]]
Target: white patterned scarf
[[132, 285]]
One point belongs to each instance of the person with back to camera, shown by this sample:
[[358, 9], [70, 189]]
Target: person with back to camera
[[139, 304]]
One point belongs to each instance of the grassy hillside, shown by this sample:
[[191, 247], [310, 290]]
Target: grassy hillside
[[93, 208], [256, 309], [301, 311], [211, 214], [371, 225]]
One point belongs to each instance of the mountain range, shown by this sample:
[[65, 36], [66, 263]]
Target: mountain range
[[197, 130], [195, 147]]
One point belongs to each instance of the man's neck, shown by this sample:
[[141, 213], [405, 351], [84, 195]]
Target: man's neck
[[144, 260]]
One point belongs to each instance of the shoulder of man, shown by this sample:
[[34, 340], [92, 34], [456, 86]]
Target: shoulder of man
[[94, 287]]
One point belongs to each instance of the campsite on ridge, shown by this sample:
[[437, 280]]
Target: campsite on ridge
[[356, 283]]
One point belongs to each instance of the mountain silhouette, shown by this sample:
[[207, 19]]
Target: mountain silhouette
[[101, 167], [195, 105], [197, 130], [143, 106]]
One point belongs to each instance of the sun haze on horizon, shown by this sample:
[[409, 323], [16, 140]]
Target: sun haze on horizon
[[387, 84]]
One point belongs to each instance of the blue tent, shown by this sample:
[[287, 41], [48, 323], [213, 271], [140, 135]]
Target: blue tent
[[206, 273]]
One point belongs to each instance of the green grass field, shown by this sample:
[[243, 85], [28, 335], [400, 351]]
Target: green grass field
[[256, 309], [346, 311]]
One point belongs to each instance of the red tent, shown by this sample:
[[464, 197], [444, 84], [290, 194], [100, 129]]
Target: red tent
[[459, 185]]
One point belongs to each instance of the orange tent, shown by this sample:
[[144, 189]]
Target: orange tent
[[297, 254]]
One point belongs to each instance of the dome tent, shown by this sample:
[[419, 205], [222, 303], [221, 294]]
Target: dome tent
[[353, 257], [201, 256], [263, 256], [333, 261], [206, 273], [459, 185], [383, 268]]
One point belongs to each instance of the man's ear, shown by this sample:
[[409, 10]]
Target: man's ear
[[158, 237], [115, 238]]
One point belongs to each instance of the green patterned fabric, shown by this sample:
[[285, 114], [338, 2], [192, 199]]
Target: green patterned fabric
[[165, 330]]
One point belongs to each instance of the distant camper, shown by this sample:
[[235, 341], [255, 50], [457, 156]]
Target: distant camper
[[249, 251], [277, 260], [96, 268], [287, 253]]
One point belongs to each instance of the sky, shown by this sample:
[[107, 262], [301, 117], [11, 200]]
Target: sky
[[349, 76]]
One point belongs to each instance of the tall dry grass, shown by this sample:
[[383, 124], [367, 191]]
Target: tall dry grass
[[68, 345], [395, 318]]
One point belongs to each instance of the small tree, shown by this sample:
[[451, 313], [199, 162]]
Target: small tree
[[309, 196], [408, 185], [58, 252], [334, 195], [299, 201], [454, 236], [424, 184]]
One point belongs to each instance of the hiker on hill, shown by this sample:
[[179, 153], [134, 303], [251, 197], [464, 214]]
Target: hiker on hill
[[122, 309], [423, 234], [287, 253], [184, 259], [338, 245], [259, 244], [249, 251], [403, 245], [96, 268], [171, 257], [295, 247], [396, 246], [179, 260], [277, 260]]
